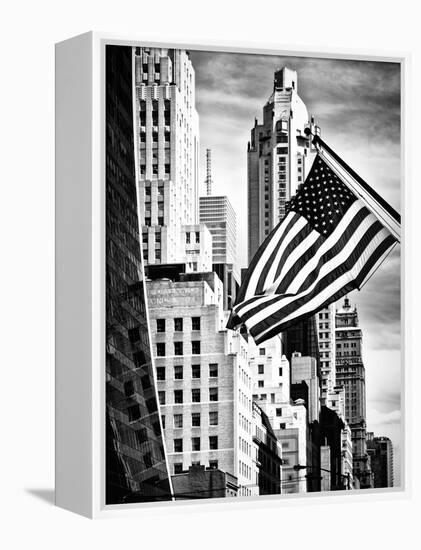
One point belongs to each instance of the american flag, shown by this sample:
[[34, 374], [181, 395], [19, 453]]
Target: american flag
[[328, 244]]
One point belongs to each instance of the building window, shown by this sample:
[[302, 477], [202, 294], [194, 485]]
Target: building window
[[213, 442], [178, 348], [213, 464], [178, 421], [213, 418], [195, 443], [195, 420], [262, 351], [178, 324], [187, 238], [161, 397], [195, 371], [280, 371], [178, 468], [195, 347], [261, 384], [134, 413], [178, 445], [282, 150], [282, 426], [260, 369], [213, 394], [160, 349], [178, 396], [178, 372], [128, 388], [163, 421], [141, 436], [195, 395], [213, 370], [278, 412], [197, 237], [160, 325], [195, 322], [160, 373]]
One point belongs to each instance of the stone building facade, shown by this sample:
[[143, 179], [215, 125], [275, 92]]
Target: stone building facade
[[203, 378], [167, 149]]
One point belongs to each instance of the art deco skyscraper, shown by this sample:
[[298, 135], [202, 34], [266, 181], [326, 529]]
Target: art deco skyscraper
[[350, 374], [279, 157], [167, 145]]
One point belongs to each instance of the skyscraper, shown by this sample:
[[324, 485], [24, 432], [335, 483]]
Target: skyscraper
[[218, 214], [279, 157], [326, 338], [380, 450], [350, 374], [167, 146], [136, 468]]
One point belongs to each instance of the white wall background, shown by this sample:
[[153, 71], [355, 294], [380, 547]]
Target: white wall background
[[28, 33]]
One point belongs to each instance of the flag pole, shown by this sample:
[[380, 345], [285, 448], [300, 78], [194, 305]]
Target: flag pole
[[374, 202]]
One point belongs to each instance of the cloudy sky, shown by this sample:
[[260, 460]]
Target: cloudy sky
[[357, 106]]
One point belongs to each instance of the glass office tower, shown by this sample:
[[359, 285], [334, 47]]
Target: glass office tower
[[136, 468]]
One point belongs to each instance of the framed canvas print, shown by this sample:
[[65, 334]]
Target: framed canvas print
[[229, 267]]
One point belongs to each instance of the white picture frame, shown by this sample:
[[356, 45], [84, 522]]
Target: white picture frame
[[80, 277]]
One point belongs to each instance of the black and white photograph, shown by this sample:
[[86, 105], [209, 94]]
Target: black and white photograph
[[253, 275]]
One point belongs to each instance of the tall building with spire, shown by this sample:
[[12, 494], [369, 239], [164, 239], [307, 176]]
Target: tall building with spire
[[350, 374], [218, 215], [279, 157], [167, 148]]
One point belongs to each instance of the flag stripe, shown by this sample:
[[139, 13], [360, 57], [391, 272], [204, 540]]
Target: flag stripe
[[311, 303], [285, 255], [343, 264], [297, 233], [273, 237], [286, 279], [278, 243], [383, 249]]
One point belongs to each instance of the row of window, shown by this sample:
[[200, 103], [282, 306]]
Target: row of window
[[178, 348], [196, 419], [195, 444], [347, 345], [195, 395], [148, 221], [178, 324], [196, 236], [178, 466], [261, 370], [179, 371]]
